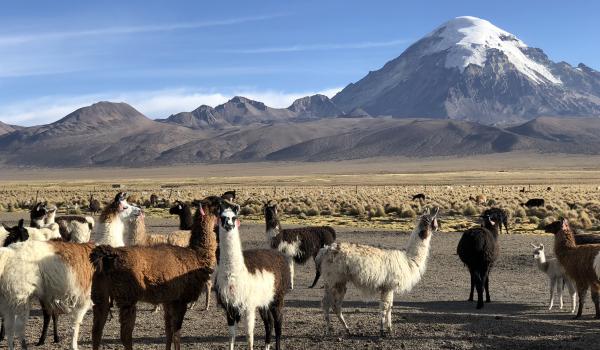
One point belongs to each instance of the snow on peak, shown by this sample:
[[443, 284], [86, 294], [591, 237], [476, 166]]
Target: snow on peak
[[467, 40]]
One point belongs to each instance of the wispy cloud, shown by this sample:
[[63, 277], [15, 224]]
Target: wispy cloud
[[318, 47], [154, 104], [61, 35]]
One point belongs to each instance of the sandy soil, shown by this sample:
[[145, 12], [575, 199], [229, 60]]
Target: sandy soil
[[502, 168], [434, 315]]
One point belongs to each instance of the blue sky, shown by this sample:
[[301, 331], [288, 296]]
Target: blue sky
[[165, 57]]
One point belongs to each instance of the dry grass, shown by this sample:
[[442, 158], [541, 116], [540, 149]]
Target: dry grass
[[368, 206]]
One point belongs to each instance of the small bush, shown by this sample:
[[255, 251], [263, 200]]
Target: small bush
[[407, 212], [470, 210], [247, 210]]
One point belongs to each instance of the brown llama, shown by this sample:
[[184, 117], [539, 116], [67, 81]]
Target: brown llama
[[161, 274], [181, 238], [578, 262]]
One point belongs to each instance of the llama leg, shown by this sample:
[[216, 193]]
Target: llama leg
[[326, 303], [20, 322], [552, 287], [77, 319], [2, 330], [479, 286], [487, 287], [231, 322], [291, 264], [596, 300], [250, 319], [101, 311], [47, 316], [9, 323], [573, 294], [582, 291], [208, 287], [472, 285], [267, 319], [387, 301], [278, 321], [559, 290], [339, 292], [168, 315], [127, 320], [178, 314], [55, 327]]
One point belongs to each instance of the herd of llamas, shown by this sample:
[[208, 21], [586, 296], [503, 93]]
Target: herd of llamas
[[73, 263]]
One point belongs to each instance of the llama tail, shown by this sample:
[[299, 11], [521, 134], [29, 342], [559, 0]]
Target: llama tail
[[90, 221], [104, 258], [318, 260]]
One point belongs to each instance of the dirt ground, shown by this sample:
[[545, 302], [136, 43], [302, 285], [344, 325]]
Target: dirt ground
[[435, 315]]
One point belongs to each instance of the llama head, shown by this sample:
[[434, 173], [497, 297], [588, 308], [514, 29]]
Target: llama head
[[16, 234], [428, 223], [538, 252], [228, 215], [177, 209], [271, 215], [38, 211], [229, 195], [553, 227], [488, 221]]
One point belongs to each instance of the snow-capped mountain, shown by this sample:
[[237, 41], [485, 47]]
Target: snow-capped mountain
[[470, 69]]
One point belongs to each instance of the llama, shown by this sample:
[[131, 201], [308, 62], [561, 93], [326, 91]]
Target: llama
[[579, 264], [139, 236], [535, 202], [557, 276], [73, 228], [95, 206], [478, 249], [375, 271], [161, 274], [184, 211], [419, 196], [111, 229], [8, 236], [297, 244], [58, 273], [498, 215], [580, 238], [249, 279]]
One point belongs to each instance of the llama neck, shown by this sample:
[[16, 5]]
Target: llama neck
[[51, 217], [563, 242], [417, 249], [541, 263], [272, 228], [203, 239], [231, 260], [136, 232], [37, 223]]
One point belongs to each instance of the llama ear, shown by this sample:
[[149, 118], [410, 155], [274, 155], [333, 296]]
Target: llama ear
[[21, 223], [565, 224], [235, 208], [541, 246], [435, 212]]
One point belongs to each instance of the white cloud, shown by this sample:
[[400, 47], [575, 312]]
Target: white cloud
[[319, 47], [61, 35], [154, 104]]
